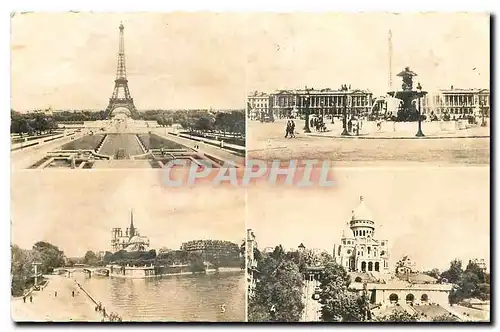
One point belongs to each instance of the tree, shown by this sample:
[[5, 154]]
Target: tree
[[22, 269], [204, 123], [454, 273], [433, 273], [476, 270], [338, 303], [47, 255], [445, 318], [471, 283], [196, 263], [91, 258], [50, 256], [325, 258], [398, 316], [279, 287], [278, 253]]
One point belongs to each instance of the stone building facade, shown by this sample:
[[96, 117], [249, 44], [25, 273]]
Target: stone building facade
[[359, 250]]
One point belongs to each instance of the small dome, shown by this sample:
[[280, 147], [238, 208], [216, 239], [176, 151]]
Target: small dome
[[361, 212], [347, 232]]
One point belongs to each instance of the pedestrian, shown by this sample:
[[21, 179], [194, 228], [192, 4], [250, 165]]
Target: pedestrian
[[73, 293], [55, 294], [24, 298], [31, 298], [292, 128]]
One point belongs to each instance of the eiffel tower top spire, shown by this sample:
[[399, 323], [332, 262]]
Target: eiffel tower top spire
[[121, 72]]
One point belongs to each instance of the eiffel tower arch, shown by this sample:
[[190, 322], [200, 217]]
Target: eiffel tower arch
[[121, 97]]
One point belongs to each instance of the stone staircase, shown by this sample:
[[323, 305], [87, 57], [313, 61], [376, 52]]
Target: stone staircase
[[99, 146]]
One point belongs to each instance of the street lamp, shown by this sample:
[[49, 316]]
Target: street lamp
[[333, 108], [306, 104], [344, 117], [322, 105], [483, 122], [35, 265], [419, 132]]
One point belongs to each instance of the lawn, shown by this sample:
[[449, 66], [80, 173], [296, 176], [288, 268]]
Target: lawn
[[430, 311], [153, 141], [89, 142]]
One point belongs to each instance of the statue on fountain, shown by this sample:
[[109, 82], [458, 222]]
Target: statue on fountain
[[407, 76], [409, 97]]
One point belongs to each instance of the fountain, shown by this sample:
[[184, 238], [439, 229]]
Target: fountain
[[408, 111]]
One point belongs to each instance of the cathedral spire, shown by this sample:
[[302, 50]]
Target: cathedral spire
[[132, 228]]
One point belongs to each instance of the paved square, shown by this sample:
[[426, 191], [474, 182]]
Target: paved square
[[471, 146]]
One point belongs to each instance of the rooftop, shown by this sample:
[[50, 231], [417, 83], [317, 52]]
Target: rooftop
[[361, 212]]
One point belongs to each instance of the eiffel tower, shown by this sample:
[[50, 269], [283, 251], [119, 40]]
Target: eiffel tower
[[122, 99]]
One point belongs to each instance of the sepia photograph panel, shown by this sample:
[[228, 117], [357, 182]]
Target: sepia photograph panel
[[101, 111], [383, 245], [122, 247], [127, 91], [369, 88]]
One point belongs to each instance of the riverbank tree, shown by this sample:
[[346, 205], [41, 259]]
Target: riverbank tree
[[91, 259], [46, 255]]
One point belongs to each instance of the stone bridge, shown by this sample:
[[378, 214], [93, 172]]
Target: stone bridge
[[87, 270]]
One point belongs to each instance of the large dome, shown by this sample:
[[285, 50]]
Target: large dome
[[361, 212]]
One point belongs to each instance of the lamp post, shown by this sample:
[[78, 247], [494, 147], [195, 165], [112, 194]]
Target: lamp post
[[419, 132], [483, 122], [35, 265], [322, 105], [306, 105], [344, 117]]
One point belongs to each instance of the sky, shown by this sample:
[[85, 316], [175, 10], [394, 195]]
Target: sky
[[182, 60], [432, 214], [327, 50], [201, 60], [76, 210]]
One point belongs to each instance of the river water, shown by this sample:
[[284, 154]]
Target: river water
[[171, 298]]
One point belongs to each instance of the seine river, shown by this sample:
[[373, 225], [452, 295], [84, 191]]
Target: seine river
[[171, 298]]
